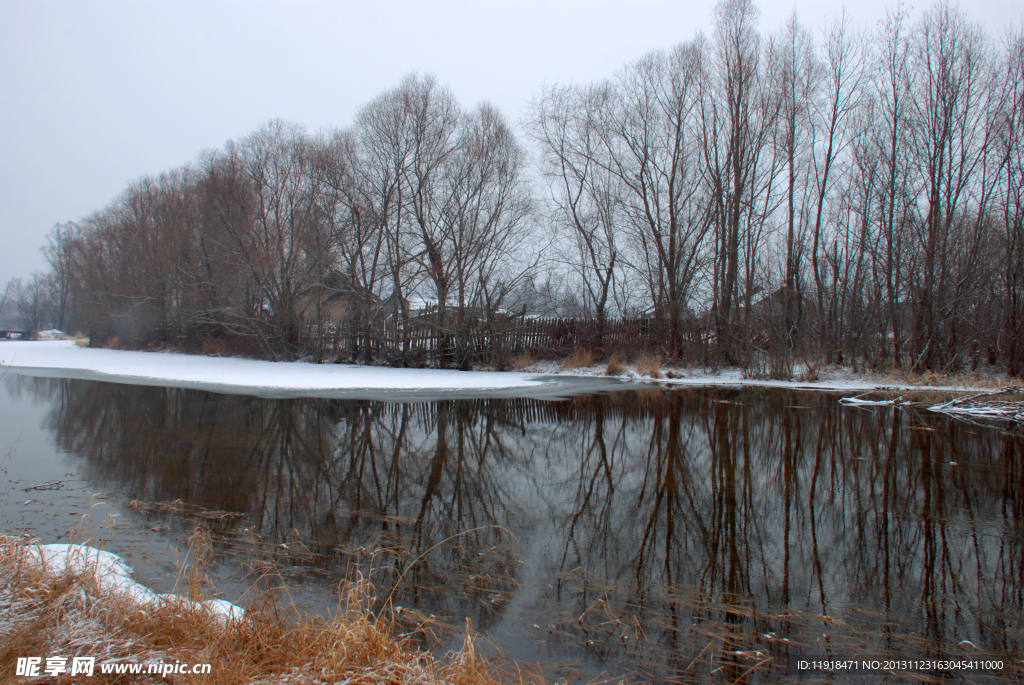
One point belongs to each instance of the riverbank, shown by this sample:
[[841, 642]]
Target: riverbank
[[232, 375], [839, 378], [66, 601], [67, 359]]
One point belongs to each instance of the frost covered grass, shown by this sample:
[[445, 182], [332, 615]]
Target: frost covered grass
[[71, 600]]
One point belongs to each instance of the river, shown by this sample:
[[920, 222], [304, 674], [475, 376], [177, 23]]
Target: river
[[662, 535]]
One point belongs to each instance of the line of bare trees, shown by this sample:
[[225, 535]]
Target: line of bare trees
[[251, 246], [855, 196], [836, 196]]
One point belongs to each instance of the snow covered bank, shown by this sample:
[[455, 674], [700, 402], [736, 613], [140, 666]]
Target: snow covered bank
[[63, 359], [835, 379], [113, 575], [117, 624]]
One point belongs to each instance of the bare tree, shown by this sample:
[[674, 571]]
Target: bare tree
[[406, 135], [888, 130], [477, 247], [355, 204], [799, 75], [1011, 203], [584, 192], [272, 225], [831, 129], [60, 254], [950, 86], [653, 141], [738, 115], [32, 302]]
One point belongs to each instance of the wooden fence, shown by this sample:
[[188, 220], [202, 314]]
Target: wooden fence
[[423, 341]]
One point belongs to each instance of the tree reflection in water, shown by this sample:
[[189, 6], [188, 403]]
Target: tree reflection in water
[[674, 535]]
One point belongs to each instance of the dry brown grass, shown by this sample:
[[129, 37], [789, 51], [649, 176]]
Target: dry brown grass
[[215, 347], [973, 379], [615, 366], [579, 359], [50, 613], [649, 364], [522, 361]]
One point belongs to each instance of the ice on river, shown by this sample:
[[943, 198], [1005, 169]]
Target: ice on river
[[64, 359]]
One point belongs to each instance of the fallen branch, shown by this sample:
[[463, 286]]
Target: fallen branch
[[982, 406], [858, 402]]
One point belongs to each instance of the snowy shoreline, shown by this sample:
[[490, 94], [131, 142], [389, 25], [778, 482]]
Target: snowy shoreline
[[114, 575], [230, 375]]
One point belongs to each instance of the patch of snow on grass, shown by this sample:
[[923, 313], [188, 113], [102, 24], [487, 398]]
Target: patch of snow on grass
[[114, 575]]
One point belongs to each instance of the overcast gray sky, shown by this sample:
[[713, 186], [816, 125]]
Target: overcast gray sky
[[95, 94]]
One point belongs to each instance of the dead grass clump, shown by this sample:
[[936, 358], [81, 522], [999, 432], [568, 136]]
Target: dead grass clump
[[579, 359], [615, 366], [649, 364], [213, 347], [522, 361], [49, 612], [971, 379]]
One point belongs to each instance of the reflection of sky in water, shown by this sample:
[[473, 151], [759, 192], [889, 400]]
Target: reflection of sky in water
[[27, 448], [29, 457], [646, 525]]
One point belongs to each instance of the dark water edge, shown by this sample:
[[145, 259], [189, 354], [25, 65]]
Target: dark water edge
[[686, 535]]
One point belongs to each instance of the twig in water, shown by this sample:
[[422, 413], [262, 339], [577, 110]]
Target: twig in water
[[747, 672]]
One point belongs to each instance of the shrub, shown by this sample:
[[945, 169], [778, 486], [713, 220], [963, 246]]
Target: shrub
[[615, 366]]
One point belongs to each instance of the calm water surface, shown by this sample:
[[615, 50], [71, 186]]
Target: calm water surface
[[661, 536]]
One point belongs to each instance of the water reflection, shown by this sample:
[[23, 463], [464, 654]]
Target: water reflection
[[675, 536]]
